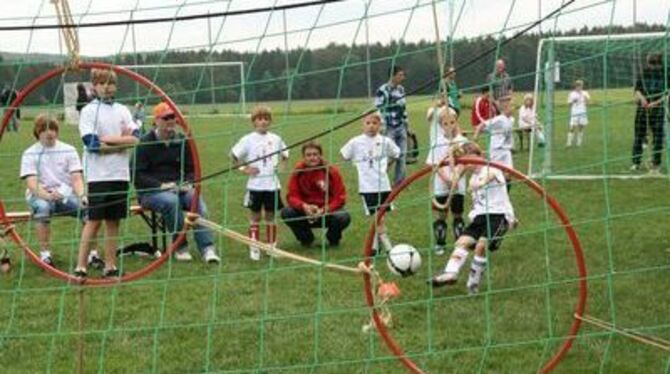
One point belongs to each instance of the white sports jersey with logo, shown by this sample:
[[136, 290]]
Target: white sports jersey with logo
[[437, 154], [577, 100], [501, 140], [491, 198], [51, 165], [256, 146], [370, 154], [106, 119]]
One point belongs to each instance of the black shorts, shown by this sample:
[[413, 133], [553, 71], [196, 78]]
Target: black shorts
[[269, 201], [479, 228], [373, 201], [457, 203], [107, 200]]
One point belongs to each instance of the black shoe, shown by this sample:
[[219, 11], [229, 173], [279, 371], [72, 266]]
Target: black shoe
[[111, 273], [80, 273], [96, 263], [48, 260]]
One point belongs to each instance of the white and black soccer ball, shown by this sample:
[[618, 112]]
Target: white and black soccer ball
[[403, 260]]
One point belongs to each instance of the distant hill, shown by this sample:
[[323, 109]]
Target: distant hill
[[32, 57]]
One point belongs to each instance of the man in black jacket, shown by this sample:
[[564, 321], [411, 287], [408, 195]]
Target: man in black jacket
[[163, 179]]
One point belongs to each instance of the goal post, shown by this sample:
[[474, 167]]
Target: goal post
[[609, 65]]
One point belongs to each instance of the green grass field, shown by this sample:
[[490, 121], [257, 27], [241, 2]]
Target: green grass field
[[281, 316]]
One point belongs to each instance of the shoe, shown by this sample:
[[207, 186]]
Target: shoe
[[183, 255], [444, 279], [80, 273], [473, 289], [458, 227], [439, 250], [111, 273], [48, 260], [254, 254], [96, 262], [210, 257]]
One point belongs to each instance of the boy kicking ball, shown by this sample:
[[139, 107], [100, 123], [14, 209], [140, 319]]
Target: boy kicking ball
[[491, 216], [370, 152]]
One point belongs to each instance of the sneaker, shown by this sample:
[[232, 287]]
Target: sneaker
[[210, 257], [439, 250], [444, 279], [48, 260], [183, 255], [254, 254], [96, 262]]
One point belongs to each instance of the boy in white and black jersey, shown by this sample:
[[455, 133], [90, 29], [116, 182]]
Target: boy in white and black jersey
[[499, 130], [492, 215], [268, 152], [444, 145], [370, 152], [108, 131]]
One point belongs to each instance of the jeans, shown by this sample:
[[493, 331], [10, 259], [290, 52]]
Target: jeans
[[651, 119], [171, 206], [399, 137], [43, 209], [335, 223]]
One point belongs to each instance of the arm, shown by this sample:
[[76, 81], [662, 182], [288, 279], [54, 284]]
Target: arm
[[481, 182], [77, 183], [38, 190], [338, 191], [293, 197]]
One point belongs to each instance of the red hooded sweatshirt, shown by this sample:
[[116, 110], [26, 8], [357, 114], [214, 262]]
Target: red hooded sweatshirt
[[315, 186]]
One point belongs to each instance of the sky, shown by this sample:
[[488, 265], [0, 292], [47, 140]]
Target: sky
[[310, 27]]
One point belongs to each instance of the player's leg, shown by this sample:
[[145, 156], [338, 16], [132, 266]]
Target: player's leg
[[583, 121], [440, 225], [42, 210], [497, 227], [254, 202], [457, 209], [639, 136], [88, 235], [656, 124], [272, 204], [110, 244], [455, 263], [571, 131]]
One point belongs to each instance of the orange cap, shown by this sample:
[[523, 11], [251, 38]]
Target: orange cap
[[162, 109]]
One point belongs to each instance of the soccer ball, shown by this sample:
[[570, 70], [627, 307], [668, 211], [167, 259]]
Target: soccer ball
[[403, 260]]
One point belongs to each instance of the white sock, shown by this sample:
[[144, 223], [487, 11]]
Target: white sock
[[477, 268], [540, 136], [570, 135], [375, 244], [386, 241], [44, 253], [456, 261], [580, 136], [93, 253]]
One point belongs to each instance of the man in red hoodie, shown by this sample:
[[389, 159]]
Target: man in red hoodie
[[483, 108], [316, 197]]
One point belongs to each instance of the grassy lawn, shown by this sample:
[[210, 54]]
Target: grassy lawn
[[281, 316]]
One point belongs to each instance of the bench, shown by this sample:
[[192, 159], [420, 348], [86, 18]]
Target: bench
[[150, 217]]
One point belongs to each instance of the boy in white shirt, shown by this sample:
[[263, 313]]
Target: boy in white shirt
[[267, 153], [499, 129], [492, 215], [444, 146], [108, 131], [54, 182], [578, 99], [528, 122], [370, 152]]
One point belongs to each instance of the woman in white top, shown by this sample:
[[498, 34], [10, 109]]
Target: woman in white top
[[578, 98], [528, 122]]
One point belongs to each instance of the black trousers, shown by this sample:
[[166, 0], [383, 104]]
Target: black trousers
[[648, 119], [335, 223]]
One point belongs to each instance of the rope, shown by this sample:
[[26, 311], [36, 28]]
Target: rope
[[70, 35]]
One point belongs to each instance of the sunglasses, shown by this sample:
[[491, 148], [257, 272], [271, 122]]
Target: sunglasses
[[168, 117]]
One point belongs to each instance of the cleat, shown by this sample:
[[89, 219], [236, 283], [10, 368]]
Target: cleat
[[444, 279]]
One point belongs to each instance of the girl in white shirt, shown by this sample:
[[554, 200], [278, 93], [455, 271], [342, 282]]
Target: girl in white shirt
[[578, 99]]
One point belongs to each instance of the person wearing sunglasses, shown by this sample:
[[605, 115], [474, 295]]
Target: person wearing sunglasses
[[164, 176]]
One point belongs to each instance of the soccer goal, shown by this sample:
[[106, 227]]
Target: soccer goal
[[609, 66], [214, 88]]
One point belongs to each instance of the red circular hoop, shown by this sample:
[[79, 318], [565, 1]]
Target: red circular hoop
[[555, 206], [34, 84]]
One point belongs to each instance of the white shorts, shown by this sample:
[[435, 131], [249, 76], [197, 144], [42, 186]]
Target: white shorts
[[502, 156], [579, 120]]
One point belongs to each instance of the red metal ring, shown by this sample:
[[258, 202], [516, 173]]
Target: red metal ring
[[555, 206], [34, 84]]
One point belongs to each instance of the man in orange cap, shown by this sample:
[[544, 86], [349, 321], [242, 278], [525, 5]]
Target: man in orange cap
[[164, 176]]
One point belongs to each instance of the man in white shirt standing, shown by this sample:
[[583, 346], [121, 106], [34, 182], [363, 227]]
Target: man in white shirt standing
[[54, 182]]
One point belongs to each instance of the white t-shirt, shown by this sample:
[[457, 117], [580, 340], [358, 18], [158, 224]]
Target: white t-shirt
[[500, 130], [436, 131], [258, 146], [527, 117], [436, 155], [370, 154], [577, 101], [103, 119], [491, 198], [51, 165]]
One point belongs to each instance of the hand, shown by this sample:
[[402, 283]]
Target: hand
[[54, 196], [250, 170], [644, 103], [168, 186]]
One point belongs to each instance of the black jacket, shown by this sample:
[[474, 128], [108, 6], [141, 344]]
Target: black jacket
[[156, 162]]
